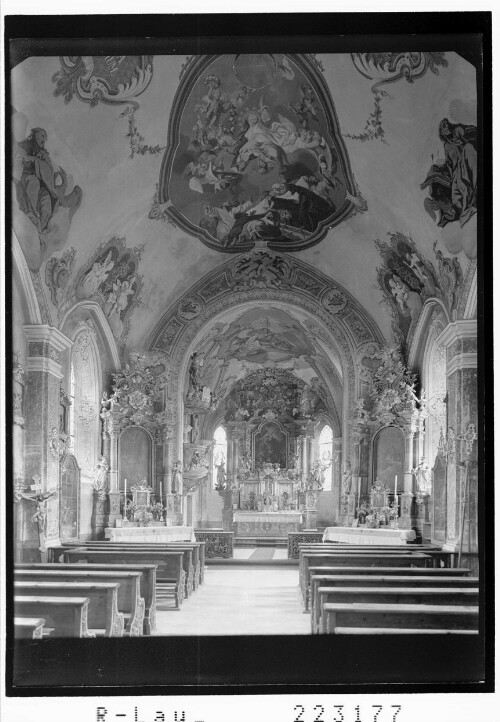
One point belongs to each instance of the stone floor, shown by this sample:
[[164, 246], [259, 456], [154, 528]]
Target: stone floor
[[239, 601]]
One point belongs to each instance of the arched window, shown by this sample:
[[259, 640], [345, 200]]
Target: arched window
[[220, 452], [325, 453], [84, 409]]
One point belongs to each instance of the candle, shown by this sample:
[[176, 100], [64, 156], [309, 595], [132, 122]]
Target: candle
[[161, 491], [395, 488], [125, 492]]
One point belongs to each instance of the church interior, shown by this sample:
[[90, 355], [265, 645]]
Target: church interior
[[244, 346]]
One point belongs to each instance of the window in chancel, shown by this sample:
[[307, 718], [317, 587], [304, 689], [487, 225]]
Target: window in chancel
[[325, 448], [219, 468]]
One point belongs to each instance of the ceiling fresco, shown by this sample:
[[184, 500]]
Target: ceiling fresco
[[255, 153], [159, 151]]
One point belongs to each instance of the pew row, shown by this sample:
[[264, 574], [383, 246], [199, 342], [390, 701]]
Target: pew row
[[28, 627], [190, 559], [400, 616], [381, 581], [104, 619], [169, 564], [391, 596], [129, 601], [440, 558], [63, 617], [55, 553], [389, 560]]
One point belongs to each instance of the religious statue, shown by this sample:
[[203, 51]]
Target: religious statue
[[100, 478], [347, 480], [195, 367], [177, 477], [221, 477], [195, 430]]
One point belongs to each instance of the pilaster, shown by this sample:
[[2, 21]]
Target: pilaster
[[460, 340], [42, 445]]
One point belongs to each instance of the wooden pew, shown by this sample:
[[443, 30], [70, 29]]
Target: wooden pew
[[198, 552], [356, 631], [416, 559], [456, 573], [28, 627], [393, 596], [67, 617], [104, 619], [169, 564], [440, 558], [381, 581], [400, 616], [187, 550], [351, 549], [129, 601]]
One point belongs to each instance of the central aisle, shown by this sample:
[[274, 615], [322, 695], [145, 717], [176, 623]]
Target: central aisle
[[253, 600]]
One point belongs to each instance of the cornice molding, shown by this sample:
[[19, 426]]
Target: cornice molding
[[45, 365], [43, 332], [462, 361], [457, 330]]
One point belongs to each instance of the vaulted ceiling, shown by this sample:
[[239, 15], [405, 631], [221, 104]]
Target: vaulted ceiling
[[386, 139]]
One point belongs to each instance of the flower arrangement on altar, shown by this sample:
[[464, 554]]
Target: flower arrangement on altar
[[143, 513], [143, 516]]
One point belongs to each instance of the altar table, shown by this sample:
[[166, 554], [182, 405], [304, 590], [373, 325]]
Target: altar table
[[359, 535], [155, 534], [266, 523]]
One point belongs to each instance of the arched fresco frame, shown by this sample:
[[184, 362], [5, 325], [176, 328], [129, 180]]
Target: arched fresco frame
[[345, 322], [309, 72]]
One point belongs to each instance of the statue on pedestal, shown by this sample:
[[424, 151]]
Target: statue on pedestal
[[177, 477]]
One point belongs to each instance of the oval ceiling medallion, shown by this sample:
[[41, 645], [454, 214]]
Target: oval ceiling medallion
[[255, 153]]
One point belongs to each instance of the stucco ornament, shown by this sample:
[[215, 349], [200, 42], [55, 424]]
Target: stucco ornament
[[109, 79]]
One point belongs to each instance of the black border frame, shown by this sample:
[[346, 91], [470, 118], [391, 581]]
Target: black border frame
[[268, 665]]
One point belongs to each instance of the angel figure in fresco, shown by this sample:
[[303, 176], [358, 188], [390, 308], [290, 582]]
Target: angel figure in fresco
[[304, 109], [118, 297], [206, 171], [98, 273], [420, 271], [409, 302]]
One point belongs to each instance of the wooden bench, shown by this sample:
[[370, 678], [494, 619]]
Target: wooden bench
[[350, 631], [393, 596], [400, 616], [188, 562], [28, 627], [377, 580], [104, 619], [367, 551], [169, 564], [55, 553], [129, 601], [440, 558], [66, 617], [355, 560]]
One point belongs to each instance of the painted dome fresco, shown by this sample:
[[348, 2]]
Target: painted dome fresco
[[255, 153]]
